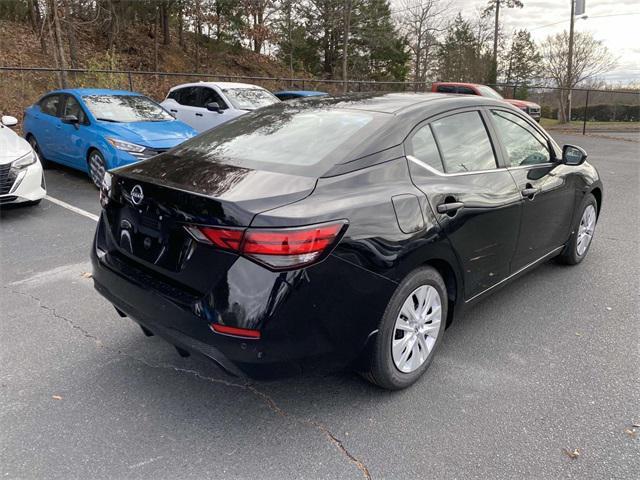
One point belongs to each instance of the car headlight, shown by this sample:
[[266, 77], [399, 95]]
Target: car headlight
[[24, 161], [105, 189], [125, 146]]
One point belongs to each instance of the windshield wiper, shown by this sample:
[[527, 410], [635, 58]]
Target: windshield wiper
[[108, 120]]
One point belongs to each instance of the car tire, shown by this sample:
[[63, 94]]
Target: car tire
[[36, 148], [583, 230], [385, 366], [97, 166]]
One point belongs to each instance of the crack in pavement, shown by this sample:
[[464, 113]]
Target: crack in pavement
[[263, 397]]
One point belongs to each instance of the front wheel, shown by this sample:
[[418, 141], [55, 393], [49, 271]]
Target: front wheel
[[578, 245], [97, 167], [410, 331], [36, 148]]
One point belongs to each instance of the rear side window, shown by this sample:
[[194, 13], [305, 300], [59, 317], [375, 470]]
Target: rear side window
[[425, 149], [464, 143], [49, 105], [188, 96], [285, 140], [446, 89]]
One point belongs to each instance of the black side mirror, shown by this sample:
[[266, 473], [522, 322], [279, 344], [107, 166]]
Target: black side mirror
[[573, 155], [214, 107], [70, 119]]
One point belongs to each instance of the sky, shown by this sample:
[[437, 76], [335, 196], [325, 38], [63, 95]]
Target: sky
[[620, 33]]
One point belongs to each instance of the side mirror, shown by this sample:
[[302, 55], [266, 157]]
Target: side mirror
[[573, 155], [71, 119], [9, 121], [214, 107]]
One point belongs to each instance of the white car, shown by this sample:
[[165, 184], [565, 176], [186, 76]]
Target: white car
[[21, 176], [204, 105]]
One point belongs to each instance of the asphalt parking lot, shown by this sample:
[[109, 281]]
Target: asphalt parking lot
[[546, 366]]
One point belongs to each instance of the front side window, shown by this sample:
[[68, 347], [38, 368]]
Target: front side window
[[489, 92], [125, 108], [209, 95], [249, 98], [464, 143], [49, 105], [524, 145], [72, 107], [424, 148], [466, 90], [189, 96]]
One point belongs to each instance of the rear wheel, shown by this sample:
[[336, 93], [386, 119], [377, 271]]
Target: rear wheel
[[36, 148], [410, 330], [578, 246], [97, 167]]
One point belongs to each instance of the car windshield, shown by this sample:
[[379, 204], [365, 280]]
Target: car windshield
[[489, 92], [284, 140], [125, 108], [249, 98]]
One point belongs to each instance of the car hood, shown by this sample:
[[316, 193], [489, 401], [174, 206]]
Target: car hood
[[521, 103], [12, 146], [151, 134]]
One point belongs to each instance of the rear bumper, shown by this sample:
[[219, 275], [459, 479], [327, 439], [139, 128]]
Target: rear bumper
[[315, 319]]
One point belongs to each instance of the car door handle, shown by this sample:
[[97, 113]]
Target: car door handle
[[450, 207], [529, 192], [198, 114], [173, 111]]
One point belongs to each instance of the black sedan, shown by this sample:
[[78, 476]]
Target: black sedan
[[339, 232]]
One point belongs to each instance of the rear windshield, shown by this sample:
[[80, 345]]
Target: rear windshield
[[285, 140], [249, 98], [125, 108]]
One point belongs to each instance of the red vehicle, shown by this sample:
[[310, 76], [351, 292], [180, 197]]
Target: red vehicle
[[533, 109]]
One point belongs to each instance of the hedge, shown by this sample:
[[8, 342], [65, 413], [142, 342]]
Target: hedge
[[600, 113]]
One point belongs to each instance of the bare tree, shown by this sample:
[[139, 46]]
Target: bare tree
[[590, 59], [420, 22], [58, 41], [345, 43], [493, 6]]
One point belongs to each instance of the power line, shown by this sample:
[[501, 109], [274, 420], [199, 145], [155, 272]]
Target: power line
[[594, 16]]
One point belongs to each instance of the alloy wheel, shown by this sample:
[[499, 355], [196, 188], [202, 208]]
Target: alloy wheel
[[416, 329], [96, 168], [586, 229]]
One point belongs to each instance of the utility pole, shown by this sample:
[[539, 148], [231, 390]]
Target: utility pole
[[494, 65], [570, 62]]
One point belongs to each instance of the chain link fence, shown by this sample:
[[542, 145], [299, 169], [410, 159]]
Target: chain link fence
[[593, 110]]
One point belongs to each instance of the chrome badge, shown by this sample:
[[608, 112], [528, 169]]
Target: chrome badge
[[137, 195]]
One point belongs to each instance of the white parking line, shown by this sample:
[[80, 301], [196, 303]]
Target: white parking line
[[77, 210]]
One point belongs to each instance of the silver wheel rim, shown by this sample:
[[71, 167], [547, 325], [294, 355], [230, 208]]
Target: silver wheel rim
[[416, 329], [96, 168], [586, 229]]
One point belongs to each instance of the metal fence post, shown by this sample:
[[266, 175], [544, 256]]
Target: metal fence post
[[584, 120], [130, 81]]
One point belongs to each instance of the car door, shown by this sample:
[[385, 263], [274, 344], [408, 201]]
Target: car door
[[211, 118], [73, 137], [477, 203], [548, 194], [185, 106], [46, 126]]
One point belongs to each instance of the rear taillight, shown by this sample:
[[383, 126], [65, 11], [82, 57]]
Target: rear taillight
[[276, 248]]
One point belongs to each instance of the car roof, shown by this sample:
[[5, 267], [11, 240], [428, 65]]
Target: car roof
[[461, 84], [302, 93], [221, 85], [94, 91]]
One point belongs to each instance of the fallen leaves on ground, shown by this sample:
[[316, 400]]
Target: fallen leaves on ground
[[86, 275], [573, 454], [56, 397], [632, 432]]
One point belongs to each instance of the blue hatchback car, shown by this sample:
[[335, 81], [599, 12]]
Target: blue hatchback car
[[95, 130]]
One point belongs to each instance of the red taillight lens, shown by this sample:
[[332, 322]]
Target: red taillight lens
[[277, 248], [235, 331]]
